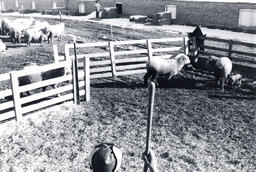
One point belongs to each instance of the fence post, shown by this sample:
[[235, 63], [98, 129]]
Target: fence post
[[151, 99], [112, 58], [230, 44], [185, 42], [55, 53], [87, 78], [67, 55], [149, 46], [75, 83], [16, 96], [75, 74]]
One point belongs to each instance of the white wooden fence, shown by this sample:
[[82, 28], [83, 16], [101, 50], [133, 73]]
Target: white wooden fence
[[15, 105], [111, 59], [123, 57]]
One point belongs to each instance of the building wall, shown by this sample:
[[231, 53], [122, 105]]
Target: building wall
[[40, 4], [214, 14], [73, 6], [217, 14]]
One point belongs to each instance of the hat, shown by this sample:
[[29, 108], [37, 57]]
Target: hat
[[105, 157]]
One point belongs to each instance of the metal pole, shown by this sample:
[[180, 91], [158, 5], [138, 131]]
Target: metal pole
[[151, 99], [76, 73]]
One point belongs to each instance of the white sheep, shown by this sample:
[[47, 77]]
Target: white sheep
[[161, 66], [17, 28], [222, 68], [235, 80], [56, 31], [34, 34]]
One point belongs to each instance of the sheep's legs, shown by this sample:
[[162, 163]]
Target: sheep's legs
[[222, 82], [154, 77], [146, 77], [170, 76]]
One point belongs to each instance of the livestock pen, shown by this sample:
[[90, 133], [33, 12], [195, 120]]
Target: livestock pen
[[242, 54], [194, 127], [115, 63]]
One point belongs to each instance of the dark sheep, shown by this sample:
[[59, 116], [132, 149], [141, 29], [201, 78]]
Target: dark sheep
[[37, 77]]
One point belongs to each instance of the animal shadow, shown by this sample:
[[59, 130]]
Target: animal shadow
[[182, 83]]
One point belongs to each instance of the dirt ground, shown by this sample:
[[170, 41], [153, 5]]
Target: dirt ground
[[195, 127]]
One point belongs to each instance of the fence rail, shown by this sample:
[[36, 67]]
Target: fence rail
[[16, 100], [232, 49]]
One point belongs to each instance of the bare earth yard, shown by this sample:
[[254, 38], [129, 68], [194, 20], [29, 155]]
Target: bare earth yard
[[195, 127]]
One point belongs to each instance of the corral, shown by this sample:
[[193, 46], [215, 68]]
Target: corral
[[195, 128]]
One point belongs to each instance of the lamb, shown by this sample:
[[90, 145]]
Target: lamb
[[222, 68], [235, 80], [56, 30], [37, 77], [161, 66]]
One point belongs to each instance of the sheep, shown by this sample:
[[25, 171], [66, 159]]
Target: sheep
[[222, 68], [235, 80], [28, 79], [5, 25], [15, 34], [37, 77], [56, 30], [54, 74], [34, 34], [161, 66], [17, 28]]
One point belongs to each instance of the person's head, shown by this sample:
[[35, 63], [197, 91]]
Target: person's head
[[105, 157]]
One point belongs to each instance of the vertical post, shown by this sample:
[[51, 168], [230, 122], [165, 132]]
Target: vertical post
[[230, 44], [112, 58], [76, 75], [151, 99], [33, 5], [150, 52], [111, 32], [16, 95], [185, 43], [60, 15], [87, 78], [67, 56], [74, 83], [22, 10], [55, 53]]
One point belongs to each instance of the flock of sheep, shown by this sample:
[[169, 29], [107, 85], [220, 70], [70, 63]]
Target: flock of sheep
[[31, 30], [222, 68]]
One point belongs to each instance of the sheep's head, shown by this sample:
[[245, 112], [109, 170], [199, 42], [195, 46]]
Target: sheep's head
[[184, 59], [211, 61]]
